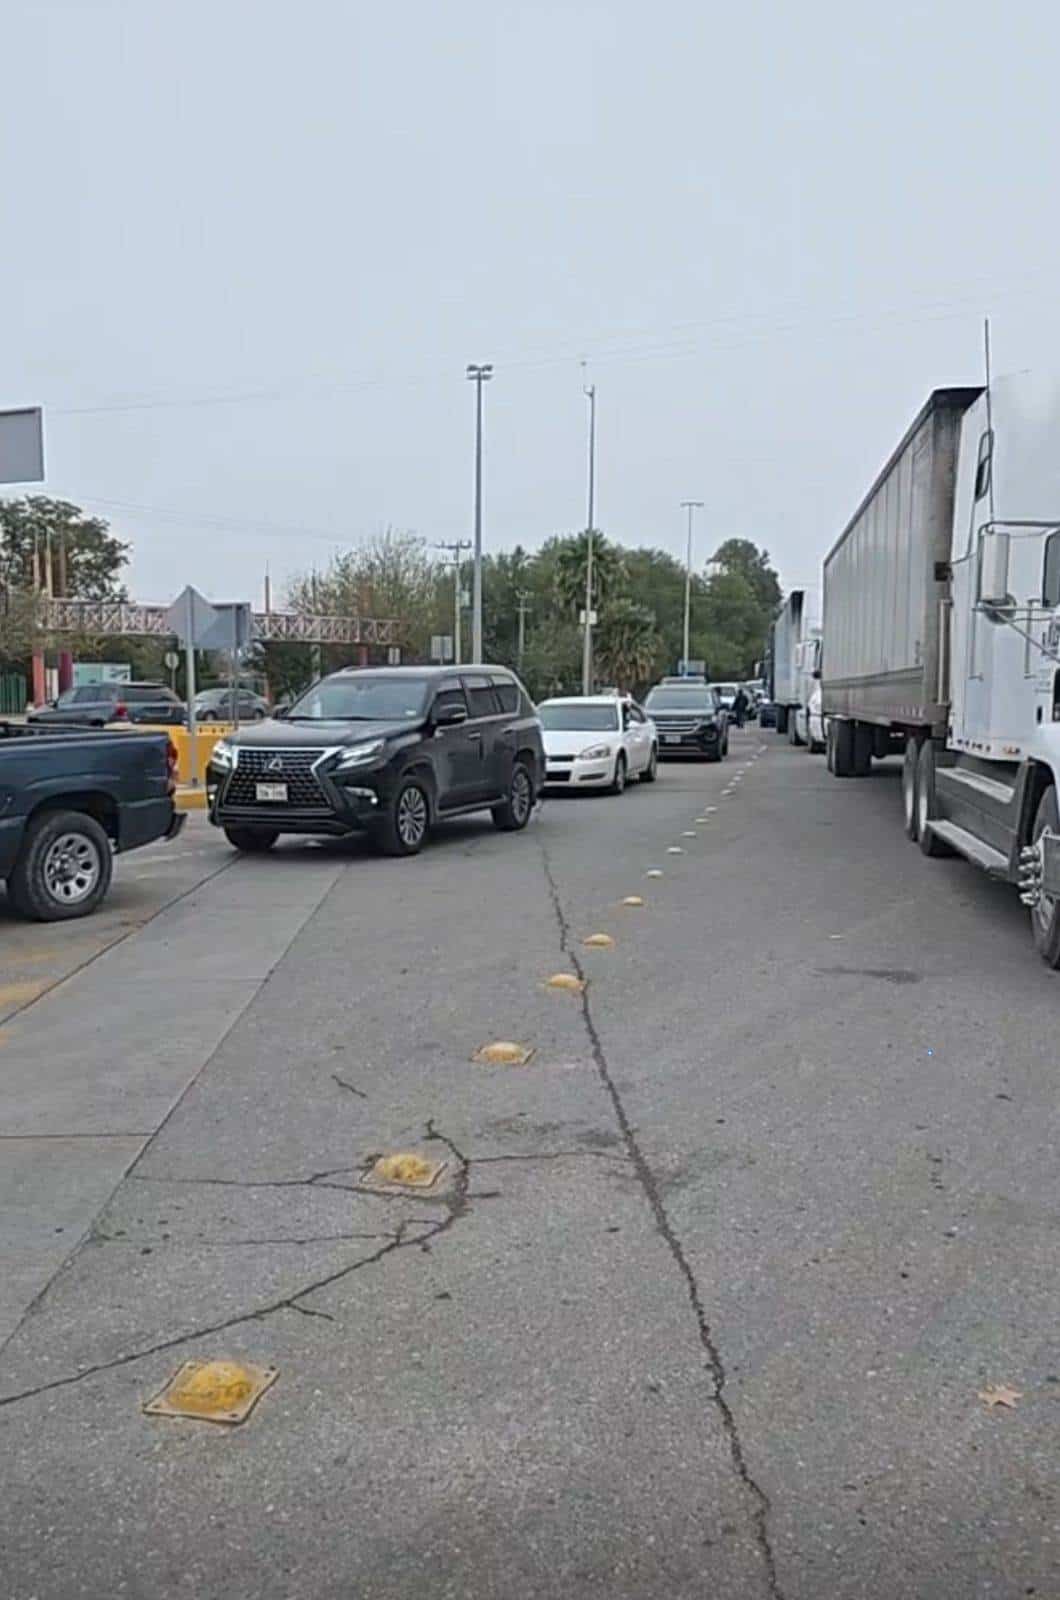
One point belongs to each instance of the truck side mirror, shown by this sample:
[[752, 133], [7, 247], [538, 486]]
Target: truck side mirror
[[993, 569]]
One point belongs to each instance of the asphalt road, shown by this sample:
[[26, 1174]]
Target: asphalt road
[[704, 1300]]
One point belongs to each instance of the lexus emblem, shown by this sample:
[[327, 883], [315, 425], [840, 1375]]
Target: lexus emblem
[[275, 765]]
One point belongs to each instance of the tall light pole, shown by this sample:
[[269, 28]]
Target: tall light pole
[[587, 653], [523, 602], [478, 375], [691, 506]]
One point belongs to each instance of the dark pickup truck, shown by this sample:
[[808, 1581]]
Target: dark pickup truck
[[68, 802]]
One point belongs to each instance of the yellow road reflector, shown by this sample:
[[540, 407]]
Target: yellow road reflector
[[408, 1169], [502, 1052], [566, 980], [633, 900], [598, 941], [674, 850], [654, 872], [702, 819], [212, 1391], [689, 833], [711, 810]]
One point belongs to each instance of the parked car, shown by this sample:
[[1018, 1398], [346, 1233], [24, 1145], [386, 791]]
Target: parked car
[[93, 705], [387, 751], [226, 705], [68, 802], [690, 719], [726, 693], [597, 741]]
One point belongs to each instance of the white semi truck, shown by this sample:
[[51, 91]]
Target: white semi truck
[[794, 655], [942, 635]]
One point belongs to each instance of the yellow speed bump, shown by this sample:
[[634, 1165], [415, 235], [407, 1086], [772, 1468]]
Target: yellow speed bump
[[598, 941], [633, 900], [503, 1052], [212, 1391], [566, 980], [407, 1169]]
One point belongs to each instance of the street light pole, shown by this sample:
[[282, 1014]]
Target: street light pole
[[478, 375], [691, 506], [587, 653]]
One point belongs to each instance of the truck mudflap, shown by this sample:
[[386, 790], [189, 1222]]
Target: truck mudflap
[[1039, 869]]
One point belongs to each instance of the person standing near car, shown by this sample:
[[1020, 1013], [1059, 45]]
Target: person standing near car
[[739, 706]]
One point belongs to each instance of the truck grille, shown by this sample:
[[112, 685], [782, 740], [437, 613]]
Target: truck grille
[[258, 766]]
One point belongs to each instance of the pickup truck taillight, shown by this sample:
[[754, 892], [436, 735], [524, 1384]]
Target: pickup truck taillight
[[172, 760]]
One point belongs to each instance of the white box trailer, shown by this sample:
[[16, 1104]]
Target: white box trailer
[[942, 635], [796, 629]]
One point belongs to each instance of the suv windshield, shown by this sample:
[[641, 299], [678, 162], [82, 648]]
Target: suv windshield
[[353, 699], [678, 699], [575, 718]]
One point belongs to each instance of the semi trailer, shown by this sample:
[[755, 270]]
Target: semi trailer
[[794, 642], [941, 635]]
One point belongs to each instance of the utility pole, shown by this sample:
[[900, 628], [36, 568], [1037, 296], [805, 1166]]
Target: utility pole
[[587, 653], [523, 602], [478, 375], [456, 550], [691, 506]]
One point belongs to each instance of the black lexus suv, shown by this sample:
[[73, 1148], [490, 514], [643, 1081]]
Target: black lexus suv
[[690, 718], [388, 751]]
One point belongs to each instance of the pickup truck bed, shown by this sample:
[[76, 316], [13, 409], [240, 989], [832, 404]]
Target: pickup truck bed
[[69, 801]]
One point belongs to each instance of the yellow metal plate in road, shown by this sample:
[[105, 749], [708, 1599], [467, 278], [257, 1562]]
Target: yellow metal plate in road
[[405, 1169], [503, 1052], [212, 1391]]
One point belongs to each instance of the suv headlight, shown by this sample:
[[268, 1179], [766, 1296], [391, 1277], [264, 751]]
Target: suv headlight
[[223, 755], [596, 752], [359, 755]]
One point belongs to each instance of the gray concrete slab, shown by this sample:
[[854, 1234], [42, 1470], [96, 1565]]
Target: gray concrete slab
[[706, 1301]]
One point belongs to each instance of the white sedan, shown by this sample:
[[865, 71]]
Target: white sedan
[[597, 742]]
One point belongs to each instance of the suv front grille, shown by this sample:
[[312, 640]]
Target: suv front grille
[[679, 724], [256, 766]]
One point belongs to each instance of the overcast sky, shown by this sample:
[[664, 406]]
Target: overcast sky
[[248, 246]]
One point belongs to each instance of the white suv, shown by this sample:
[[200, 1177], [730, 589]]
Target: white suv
[[597, 741]]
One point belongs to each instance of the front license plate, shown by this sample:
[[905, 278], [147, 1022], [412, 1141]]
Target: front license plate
[[671, 738], [271, 791]]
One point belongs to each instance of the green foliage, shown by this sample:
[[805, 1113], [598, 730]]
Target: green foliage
[[93, 557], [626, 644]]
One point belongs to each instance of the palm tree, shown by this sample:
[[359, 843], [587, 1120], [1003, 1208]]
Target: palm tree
[[571, 559], [627, 643]]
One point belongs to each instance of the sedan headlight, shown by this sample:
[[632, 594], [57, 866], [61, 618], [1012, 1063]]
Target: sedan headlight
[[596, 752], [359, 755], [223, 755]]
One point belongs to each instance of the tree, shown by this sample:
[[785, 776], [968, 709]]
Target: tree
[[626, 644], [743, 559], [93, 558], [392, 575], [572, 555]]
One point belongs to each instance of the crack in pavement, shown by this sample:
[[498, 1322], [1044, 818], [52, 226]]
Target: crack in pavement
[[649, 1183], [456, 1206]]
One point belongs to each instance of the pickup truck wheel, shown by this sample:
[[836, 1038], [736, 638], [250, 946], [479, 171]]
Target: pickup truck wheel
[[403, 829], [64, 867], [514, 813], [1045, 916], [252, 841]]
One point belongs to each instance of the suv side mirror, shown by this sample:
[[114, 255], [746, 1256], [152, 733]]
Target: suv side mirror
[[449, 716]]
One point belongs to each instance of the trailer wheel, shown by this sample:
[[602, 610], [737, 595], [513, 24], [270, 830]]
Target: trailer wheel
[[864, 741], [782, 719], [842, 748], [926, 810], [909, 765], [1045, 916]]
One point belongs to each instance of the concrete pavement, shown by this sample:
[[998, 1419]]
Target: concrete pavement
[[706, 1297]]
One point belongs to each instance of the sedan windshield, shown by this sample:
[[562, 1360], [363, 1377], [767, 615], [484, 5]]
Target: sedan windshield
[[678, 699], [575, 718], [353, 699]]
